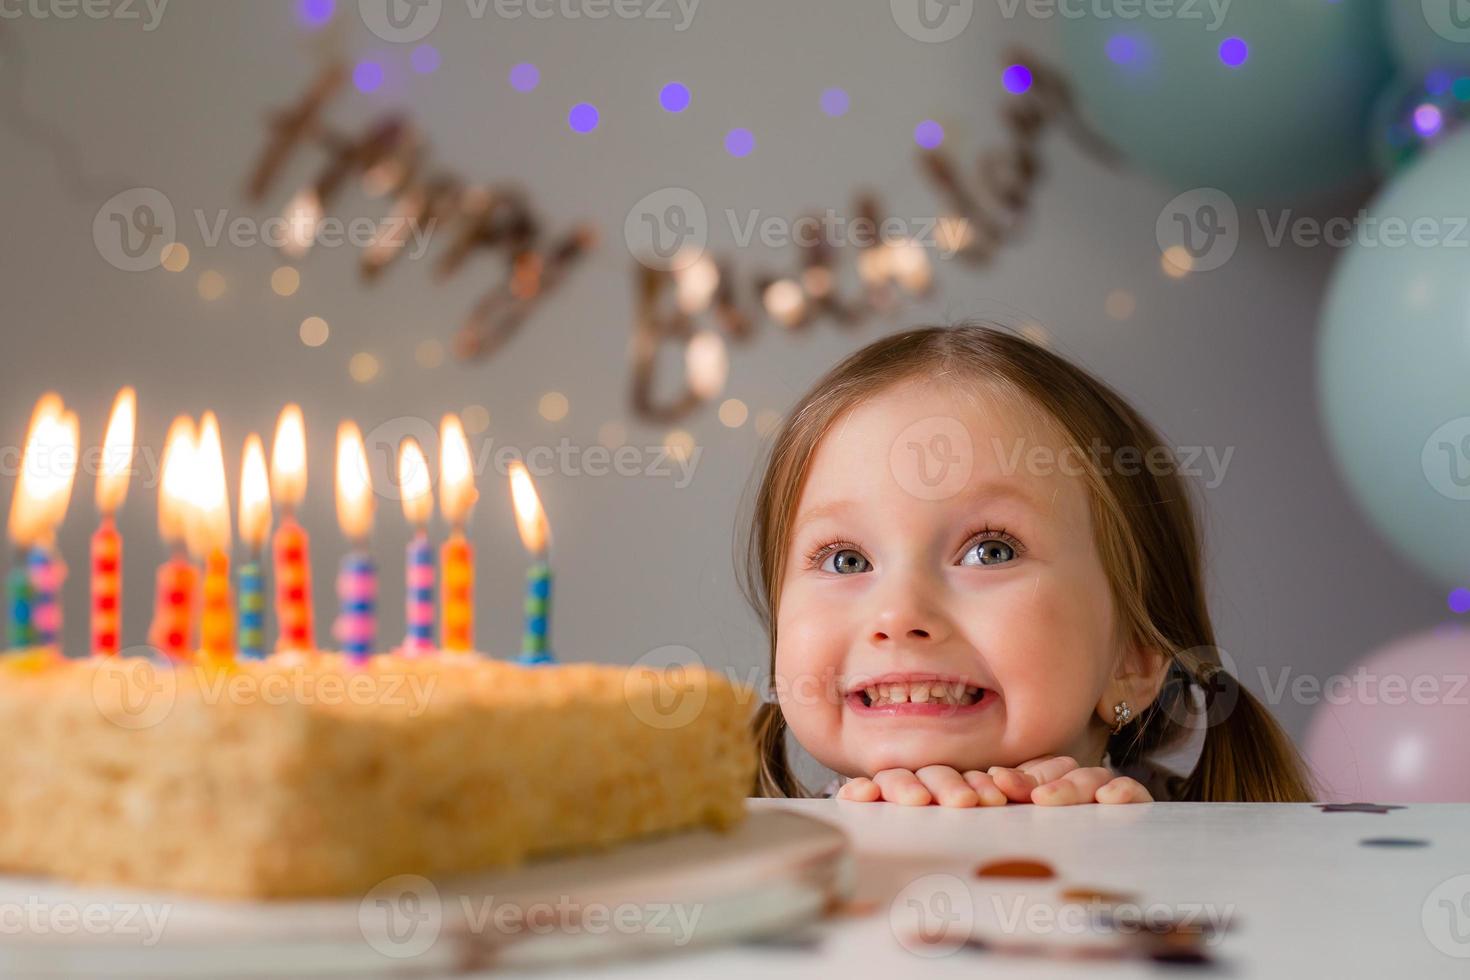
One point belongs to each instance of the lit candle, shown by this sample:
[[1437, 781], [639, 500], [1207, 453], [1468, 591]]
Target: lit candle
[[536, 536], [255, 525], [208, 534], [418, 507], [456, 497], [48, 467], [172, 630], [357, 582], [112, 488], [291, 546]]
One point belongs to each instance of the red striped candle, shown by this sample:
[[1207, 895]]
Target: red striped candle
[[106, 589], [293, 586], [172, 632]]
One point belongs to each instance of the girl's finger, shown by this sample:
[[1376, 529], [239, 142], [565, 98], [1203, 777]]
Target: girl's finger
[[1123, 789], [862, 789], [985, 788], [1015, 784], [1077, 786], [947, 786], [902, 786], [1049, 767]]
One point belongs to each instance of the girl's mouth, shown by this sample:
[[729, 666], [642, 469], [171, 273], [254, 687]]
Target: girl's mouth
[[928, 698]]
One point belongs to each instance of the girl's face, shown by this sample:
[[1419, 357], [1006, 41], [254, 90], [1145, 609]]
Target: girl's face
[[944, 602]]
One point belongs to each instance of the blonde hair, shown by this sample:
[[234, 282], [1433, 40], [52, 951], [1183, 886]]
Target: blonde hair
[[1146, 533]]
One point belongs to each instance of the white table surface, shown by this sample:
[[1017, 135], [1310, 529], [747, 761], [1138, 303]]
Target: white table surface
[[1304, 897]]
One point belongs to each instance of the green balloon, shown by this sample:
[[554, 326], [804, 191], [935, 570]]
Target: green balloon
[[1288, 121], [1394, 363], [1429, 34]]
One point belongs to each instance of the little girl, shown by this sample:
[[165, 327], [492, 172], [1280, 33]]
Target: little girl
[[980, 574]]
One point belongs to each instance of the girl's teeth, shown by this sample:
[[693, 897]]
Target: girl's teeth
[[925, 692]]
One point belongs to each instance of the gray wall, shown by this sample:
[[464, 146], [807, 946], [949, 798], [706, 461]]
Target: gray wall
[[1297, 579]]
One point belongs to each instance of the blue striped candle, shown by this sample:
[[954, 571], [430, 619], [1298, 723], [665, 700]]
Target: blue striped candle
[[357, 593], [47, 573], [252, 609], [420, 582], [536, 640], [21, 595]]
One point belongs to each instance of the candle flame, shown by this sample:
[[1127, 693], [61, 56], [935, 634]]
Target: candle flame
[[706, 363], [208, 526], [288, 458], [457, 493], [178, 476], [117, 453], [414, 483], [255, 495], [354, 486], [530, 516], [48, 467]]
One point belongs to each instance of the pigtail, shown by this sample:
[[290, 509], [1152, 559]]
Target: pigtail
[[1247, 756], [774, 776]]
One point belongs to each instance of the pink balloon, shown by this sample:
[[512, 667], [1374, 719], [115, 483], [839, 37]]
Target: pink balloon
[[1395, 728]]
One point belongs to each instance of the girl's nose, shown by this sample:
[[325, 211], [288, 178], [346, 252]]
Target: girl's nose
[[911, 619]]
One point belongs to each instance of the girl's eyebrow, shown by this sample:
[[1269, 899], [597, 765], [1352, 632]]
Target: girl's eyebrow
[[986, 492]]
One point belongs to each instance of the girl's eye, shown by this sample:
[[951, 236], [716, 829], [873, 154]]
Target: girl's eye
[[989, 551], [845, 562]]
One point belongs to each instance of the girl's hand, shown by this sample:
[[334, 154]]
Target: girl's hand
[[1058, 781], [930, 784]]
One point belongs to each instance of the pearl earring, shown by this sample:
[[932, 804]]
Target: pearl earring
[[1122, 714]]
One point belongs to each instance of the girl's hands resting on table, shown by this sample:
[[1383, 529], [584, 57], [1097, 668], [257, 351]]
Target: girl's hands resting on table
[[1048, 781]]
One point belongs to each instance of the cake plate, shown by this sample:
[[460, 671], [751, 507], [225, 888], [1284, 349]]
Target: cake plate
[[776, 871]]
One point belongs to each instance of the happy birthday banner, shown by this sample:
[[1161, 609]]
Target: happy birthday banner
[[389, 158]]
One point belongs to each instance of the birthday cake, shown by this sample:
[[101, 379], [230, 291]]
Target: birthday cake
[[317, 776]]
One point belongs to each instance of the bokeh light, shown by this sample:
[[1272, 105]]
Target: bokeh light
[[835, 102], [553, 406], [429, 353], [315, 13], [363, 367], [368, 76], [314, 331], [1460, 600], [175, 256], [524, 77], [285, 281], [674, 97], [1428, 120], [739, 142], [733, 413], [425, 59], [1234, 52], [1017, 79], [929, 134], [583, 118], [211, 285]]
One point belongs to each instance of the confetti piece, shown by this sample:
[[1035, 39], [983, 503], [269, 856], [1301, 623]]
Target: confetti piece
[[1358, 807], [1015, 868], [1097, 896], [1393, 842]]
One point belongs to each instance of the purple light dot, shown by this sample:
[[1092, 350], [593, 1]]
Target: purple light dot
[[1124, 49], [1460, 600], [674, 97], [524, 77], [425, 59], [315, 13], [368, 76], [1017, 79], [929, 134], [1438, 82], [739, 142], [1428, 120], [1234, 52], [583, 117], [835, 102]]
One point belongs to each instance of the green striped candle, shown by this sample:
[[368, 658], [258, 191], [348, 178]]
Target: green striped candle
[[536, 639]]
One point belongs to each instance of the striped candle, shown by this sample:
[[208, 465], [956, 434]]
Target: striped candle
[[21, 594], [47, 574], [252, 609], [217, 626], [356, 629], [172, 632], [457, 559], [536, 640], [420, 590], [293, 586], [106, 589]]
